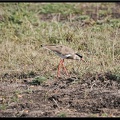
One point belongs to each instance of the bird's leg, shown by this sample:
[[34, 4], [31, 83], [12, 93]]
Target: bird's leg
[[64, 67], [58, 72]]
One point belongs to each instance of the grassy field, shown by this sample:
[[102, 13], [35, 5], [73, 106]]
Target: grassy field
[[92, 29]]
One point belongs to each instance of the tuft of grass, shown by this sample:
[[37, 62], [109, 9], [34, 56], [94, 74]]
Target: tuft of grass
[[38, 80], [3, 106], [62, 114]]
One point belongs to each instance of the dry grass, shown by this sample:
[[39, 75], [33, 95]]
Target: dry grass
[[20, 41]]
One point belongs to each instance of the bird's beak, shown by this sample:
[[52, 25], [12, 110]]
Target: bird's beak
[[83, 60]]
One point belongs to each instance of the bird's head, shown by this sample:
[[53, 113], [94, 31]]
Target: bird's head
[[80, 57]]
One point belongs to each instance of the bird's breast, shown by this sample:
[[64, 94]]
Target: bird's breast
[[66, 56]]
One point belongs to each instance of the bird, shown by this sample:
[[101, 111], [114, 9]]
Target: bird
[[63, 52]]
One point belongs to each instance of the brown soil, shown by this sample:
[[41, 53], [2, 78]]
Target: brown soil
[[91, 95]]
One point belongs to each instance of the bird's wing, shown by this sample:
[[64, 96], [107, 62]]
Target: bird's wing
[[68, 55], [60, 50]]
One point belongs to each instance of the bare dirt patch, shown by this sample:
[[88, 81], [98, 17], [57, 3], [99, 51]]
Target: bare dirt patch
[[92, 95], [99, 12]]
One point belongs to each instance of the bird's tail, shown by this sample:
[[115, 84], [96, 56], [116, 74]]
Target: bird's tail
[[45, 47]]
